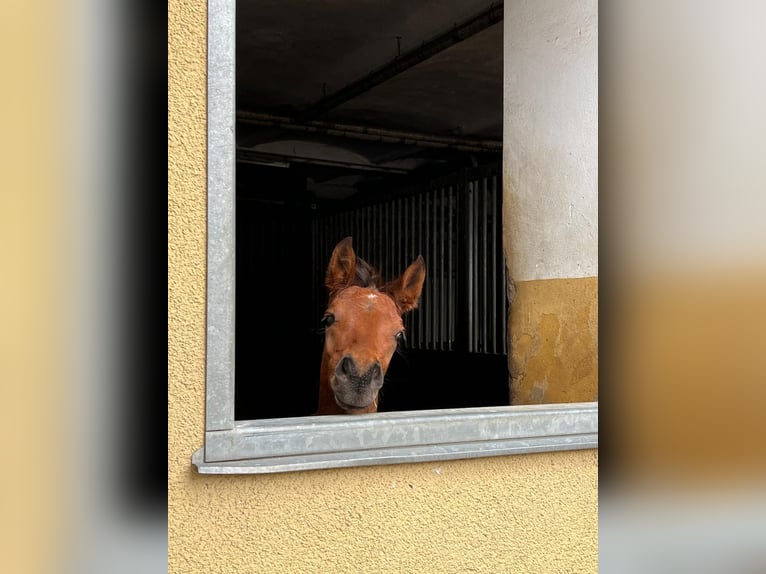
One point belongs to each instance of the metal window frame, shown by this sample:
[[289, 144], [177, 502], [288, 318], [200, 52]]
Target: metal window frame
[[290, 444]]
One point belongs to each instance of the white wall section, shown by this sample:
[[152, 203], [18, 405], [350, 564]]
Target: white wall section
[[550, 139]]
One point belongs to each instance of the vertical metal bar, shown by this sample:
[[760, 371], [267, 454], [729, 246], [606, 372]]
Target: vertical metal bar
[[470, 266], [360, 225], [461, 257], [440, 270], [393, 270], [396, 223], [414, 252], [381, 252], [429, 280], [394, 248], [401, 233], [374, 236], [364, 217], [419, 223], [501, 281], [495, 318], [451, 270], [477, 271], [390, 245], [485, 266], [371, 233], [435, 271], [359, 218], [406, 239], [374, 243], [408, 252], [442, 278], [398, 215], [431, 267], [319, 263], [319, 260], [314, 271], [386, 254], [371, 242], [435, 282], [403, 226]]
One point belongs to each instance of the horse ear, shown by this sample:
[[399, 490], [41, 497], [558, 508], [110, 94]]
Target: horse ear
[[406, 289], [342, 268]]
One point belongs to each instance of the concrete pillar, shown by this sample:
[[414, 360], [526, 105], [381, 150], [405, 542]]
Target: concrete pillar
[[550, 183]]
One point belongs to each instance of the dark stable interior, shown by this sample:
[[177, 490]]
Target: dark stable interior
[[279, 305], [382, 121]]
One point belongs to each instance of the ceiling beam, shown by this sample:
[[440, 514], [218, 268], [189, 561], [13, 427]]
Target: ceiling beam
[[372, 134], [402, 62], [245, 155]]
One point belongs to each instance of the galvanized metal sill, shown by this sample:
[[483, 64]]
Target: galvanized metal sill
[[283, 445]]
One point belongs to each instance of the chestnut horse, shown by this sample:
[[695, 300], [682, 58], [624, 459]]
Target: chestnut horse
[[363, 327]]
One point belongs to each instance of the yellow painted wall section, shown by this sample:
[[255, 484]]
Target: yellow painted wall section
[[554, 341], [528, 513]]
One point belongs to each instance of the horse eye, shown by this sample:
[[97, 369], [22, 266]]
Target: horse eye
[[401, 338], [328, 320]]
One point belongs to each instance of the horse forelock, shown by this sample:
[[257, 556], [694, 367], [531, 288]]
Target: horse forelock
[[367, 275]]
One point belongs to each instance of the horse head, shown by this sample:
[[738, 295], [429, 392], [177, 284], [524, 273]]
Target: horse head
[[363, 327]]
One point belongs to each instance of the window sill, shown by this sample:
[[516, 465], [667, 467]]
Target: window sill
[[284, 445]]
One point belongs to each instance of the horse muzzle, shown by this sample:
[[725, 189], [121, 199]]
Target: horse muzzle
[[356, 388]]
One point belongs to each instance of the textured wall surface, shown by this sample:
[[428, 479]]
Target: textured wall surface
[[550, 137], [554, 337], [529, 513], [550, 198]]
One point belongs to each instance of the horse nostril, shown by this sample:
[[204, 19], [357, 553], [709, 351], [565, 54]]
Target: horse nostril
[[373, 376], [346, 366]]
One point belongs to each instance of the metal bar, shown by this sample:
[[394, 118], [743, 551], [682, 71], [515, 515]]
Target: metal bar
[[390, 245], [470, 268], [430, 264], [421, 340], [367, 133], [476, 268], [434, 271], [462, 287], [336, 434], [414, 252], [245, 155], [484, 267], [442, 278], [451, 271], [428, 49], [502, 311], [221, 217], [497, 320], [397, 455], [400, 259]]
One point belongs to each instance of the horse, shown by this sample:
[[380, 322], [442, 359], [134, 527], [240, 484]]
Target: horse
[[363, 328]]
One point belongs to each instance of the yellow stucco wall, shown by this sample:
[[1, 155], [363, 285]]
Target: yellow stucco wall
[[554, 341], [529, 513]]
